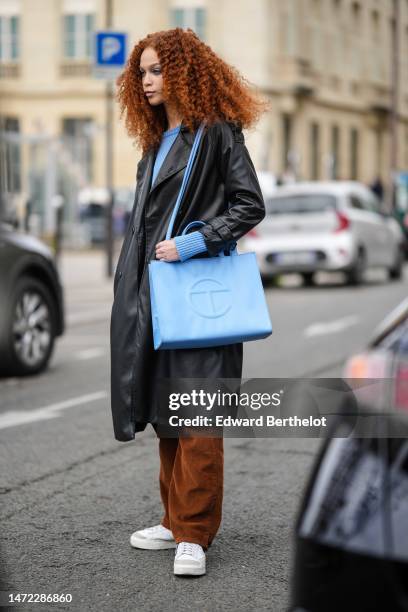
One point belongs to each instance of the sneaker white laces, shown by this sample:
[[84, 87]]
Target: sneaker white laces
[[188, 548]]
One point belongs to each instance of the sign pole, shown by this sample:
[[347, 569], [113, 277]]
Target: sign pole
[[110, 59], [109, 159]]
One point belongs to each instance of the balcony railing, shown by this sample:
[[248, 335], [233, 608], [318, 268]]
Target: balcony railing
[[9, 70], [75, 68]]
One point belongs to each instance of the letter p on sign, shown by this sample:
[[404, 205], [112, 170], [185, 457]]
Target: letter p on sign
[[110, 47]]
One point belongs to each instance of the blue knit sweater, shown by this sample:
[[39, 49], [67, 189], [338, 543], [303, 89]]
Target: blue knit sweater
[[189, 244]]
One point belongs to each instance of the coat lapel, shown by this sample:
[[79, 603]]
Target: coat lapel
[[175, 160]]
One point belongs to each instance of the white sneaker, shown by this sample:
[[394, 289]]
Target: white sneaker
[[189, 559], [153, 538]]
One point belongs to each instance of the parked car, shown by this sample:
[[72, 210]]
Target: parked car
[[331, 226], [267, 182], [401, 205], [385, 358], [31, 305], [93, 210], [351, 537]]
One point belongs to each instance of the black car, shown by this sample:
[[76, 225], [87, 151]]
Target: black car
[[31, 303], [351, 535]]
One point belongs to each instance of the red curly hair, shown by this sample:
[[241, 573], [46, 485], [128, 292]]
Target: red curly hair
[[198, 82]]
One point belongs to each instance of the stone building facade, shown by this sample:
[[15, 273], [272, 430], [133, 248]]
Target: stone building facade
[[325, 66]]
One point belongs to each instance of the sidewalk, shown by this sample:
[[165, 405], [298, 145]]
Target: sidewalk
[[87, 290]]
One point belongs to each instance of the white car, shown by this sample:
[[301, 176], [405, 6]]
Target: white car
[[328, 226]]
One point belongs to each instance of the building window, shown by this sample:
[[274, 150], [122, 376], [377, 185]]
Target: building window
[[354, 145], [379, 150], [406, 39], [316, 8], [375, 23], [189, 17], [286, 140], [78, 35], [314, 151], [10, 163], [77, 138], [287, 28], [356, 16], [377, 55], [406, 51], [9, 38], [335, 149]]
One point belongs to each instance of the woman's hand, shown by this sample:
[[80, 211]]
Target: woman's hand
[[167, 251]]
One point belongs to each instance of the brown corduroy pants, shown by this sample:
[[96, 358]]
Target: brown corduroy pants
[[191, 487]]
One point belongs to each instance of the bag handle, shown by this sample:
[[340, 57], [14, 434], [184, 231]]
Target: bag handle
[[233, 248], [191, 224], [185, 179]]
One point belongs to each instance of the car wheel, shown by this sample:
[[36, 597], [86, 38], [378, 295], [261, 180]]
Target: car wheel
[[395, 273], [355, 275], [31, 328], [308, 279]]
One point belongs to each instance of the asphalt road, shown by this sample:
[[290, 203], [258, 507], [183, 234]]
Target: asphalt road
[[71, 494]]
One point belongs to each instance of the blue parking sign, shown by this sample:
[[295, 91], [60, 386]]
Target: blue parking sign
[[110, 49], [109, 54]]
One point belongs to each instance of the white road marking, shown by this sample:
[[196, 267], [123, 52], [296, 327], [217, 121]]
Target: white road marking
[[95, 316], [10, 382], [89, 338], [13, 418], [330, 327], [90, 353]]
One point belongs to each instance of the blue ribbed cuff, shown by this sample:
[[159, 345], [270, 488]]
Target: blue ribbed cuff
[[190, 245]]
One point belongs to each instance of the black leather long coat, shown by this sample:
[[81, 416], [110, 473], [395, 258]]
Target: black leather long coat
[[224, 192]]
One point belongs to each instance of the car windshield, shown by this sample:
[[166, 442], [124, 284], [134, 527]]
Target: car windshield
[[299, 204], [93, 211]]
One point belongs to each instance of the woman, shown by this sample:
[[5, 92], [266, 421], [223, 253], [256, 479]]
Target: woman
[[173, 82]]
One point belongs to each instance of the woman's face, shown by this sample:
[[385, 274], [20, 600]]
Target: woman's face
[[151, 76]]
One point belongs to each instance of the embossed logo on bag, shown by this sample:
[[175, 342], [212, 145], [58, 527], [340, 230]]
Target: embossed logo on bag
[[210, 298]]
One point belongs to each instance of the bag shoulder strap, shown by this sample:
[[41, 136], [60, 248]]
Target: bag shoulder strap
[[186, 176]]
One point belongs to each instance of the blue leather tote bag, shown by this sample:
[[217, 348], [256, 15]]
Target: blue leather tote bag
[[205, 302]]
